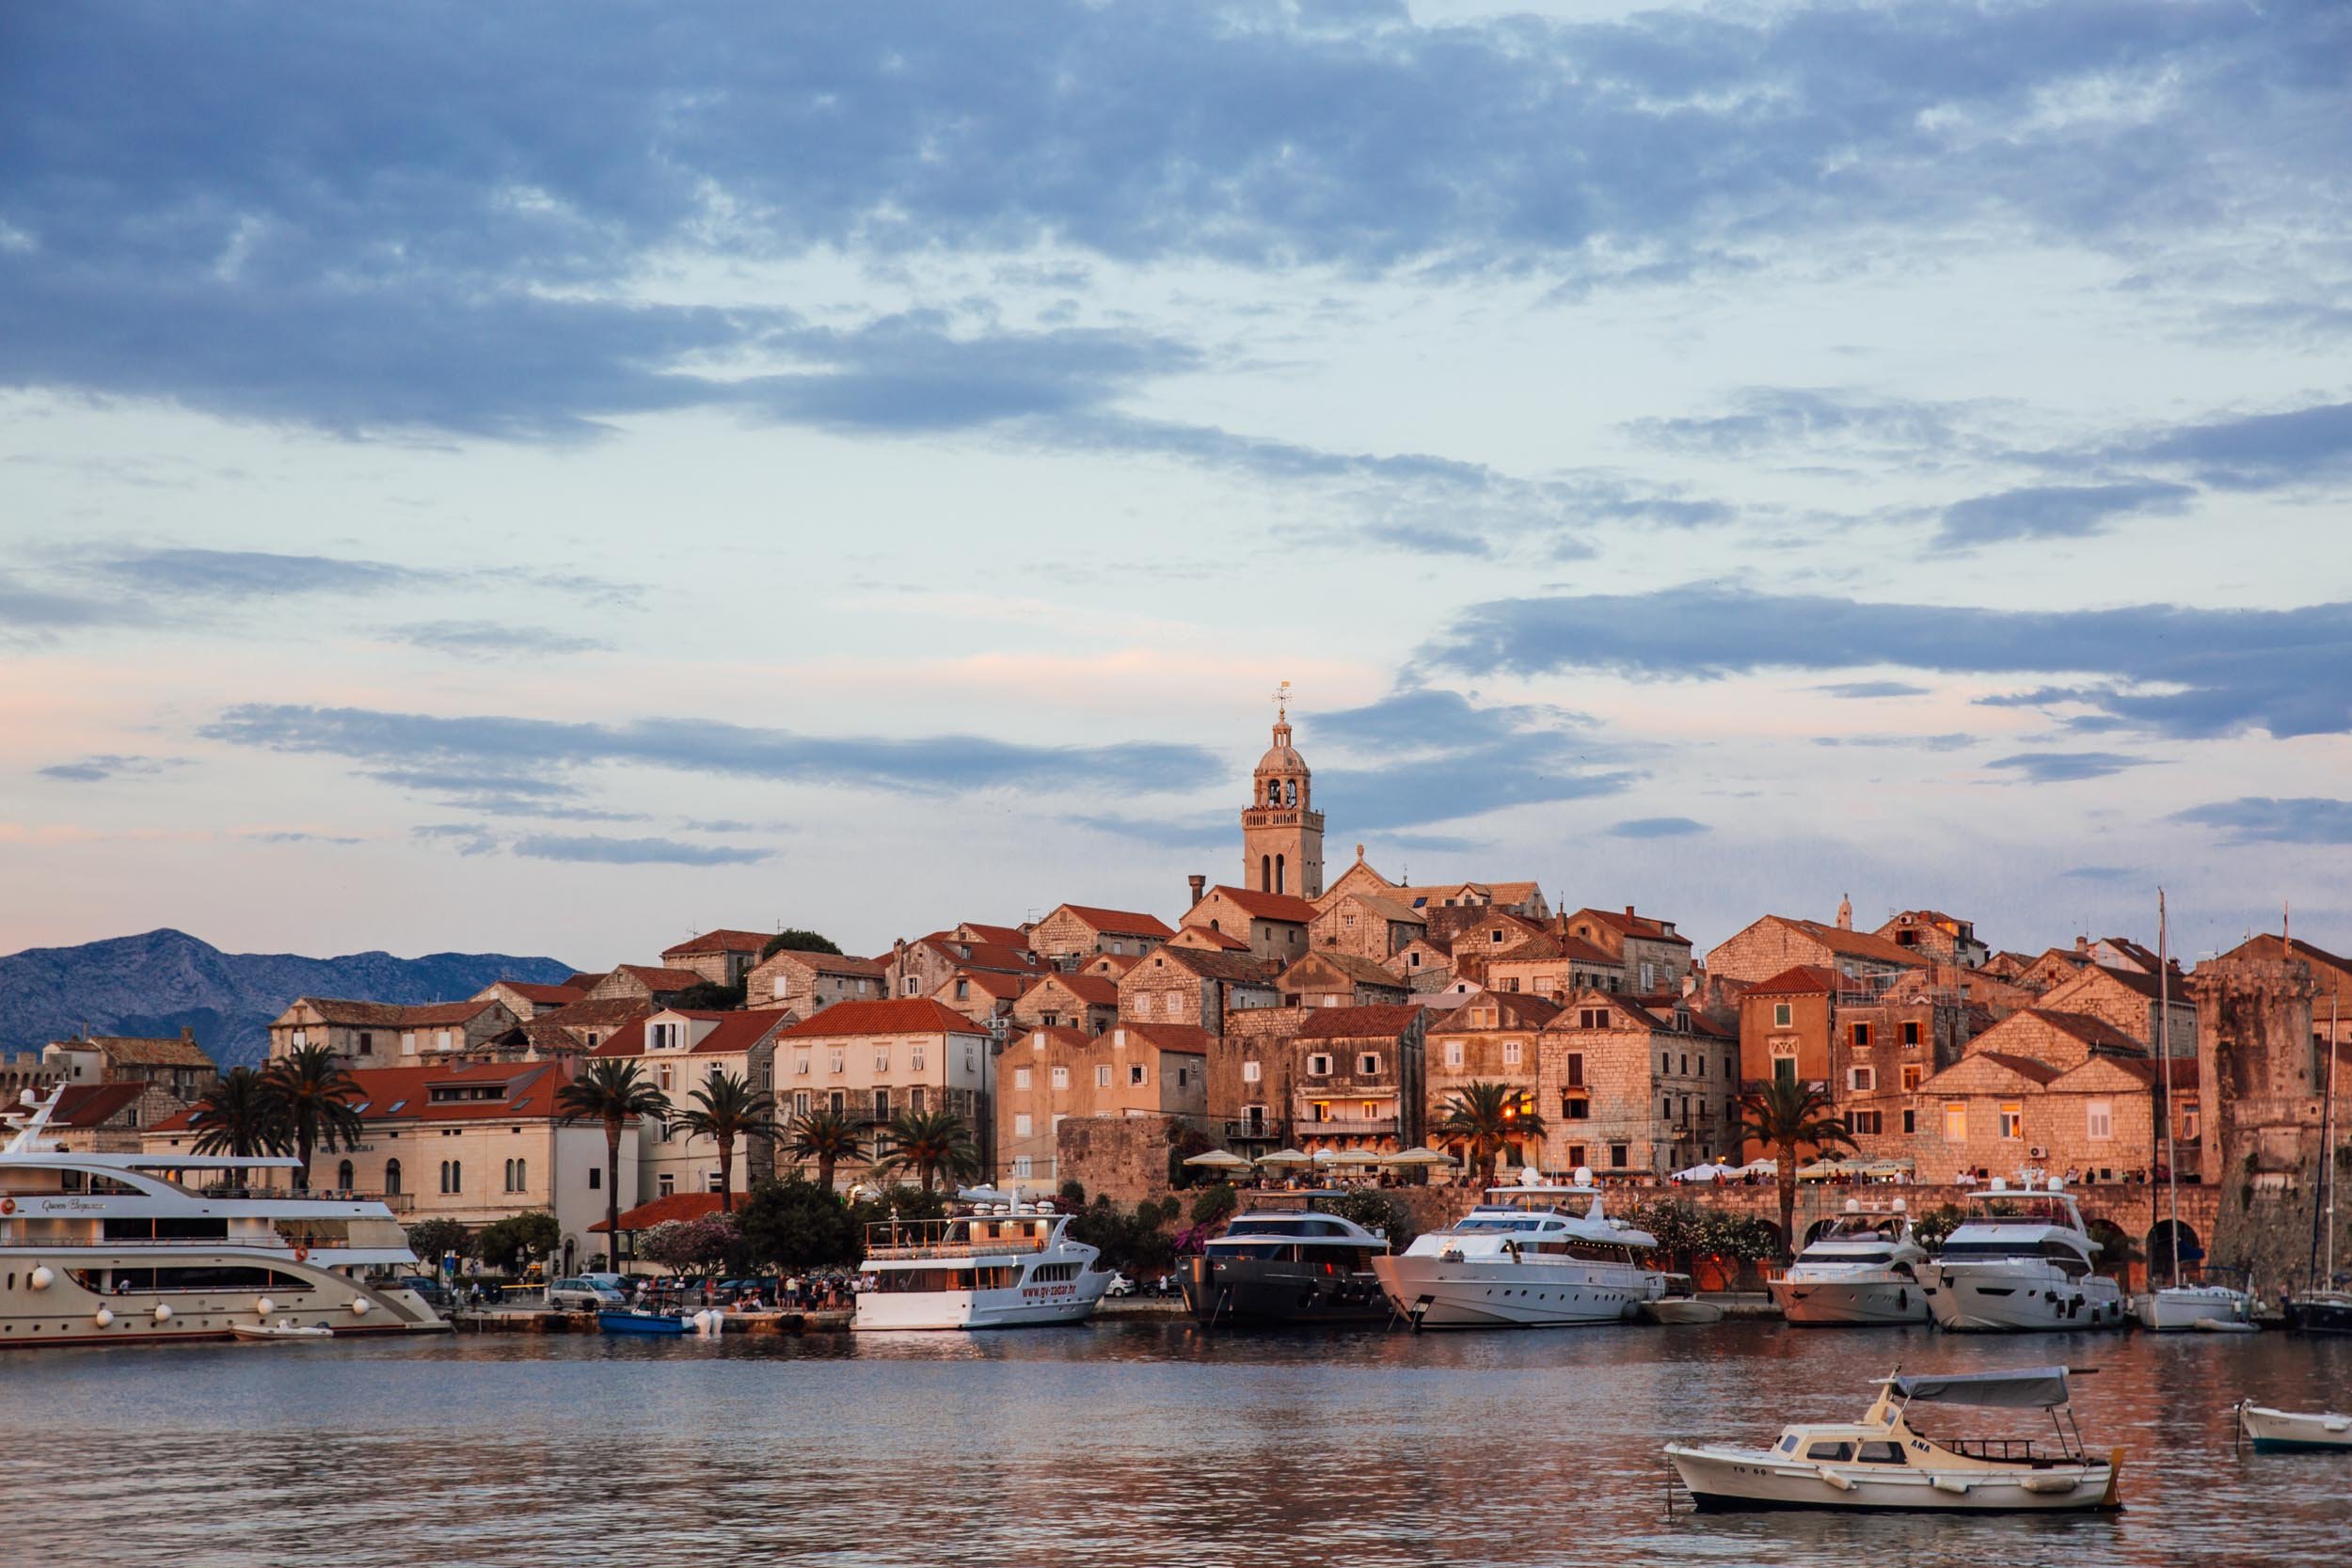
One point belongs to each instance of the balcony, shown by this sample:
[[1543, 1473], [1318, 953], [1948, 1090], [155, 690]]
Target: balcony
[[1348, 1127], [1266, 1131]]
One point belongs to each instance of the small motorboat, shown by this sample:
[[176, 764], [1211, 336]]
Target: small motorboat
[[639, 1322], [1883, 1462], [284, 1328], [1680, 1305], [2289, 1431]]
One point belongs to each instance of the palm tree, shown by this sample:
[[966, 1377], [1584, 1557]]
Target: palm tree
[[310, 1096], [234, 1117], [610, 1090], [827, 1138], [1780, 1115], [931, 1143], [729, 1108], [1487, 1119]]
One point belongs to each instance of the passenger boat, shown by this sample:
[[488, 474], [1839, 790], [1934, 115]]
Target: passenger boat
[[1863, 1269], [1286, 1260], [2277, 1430], [1532, 1256], [1002, 1263], [284, 1328], [115, 1248], [1884, 1462], [1680, 1305], [2022, 1261], [623, 1322]]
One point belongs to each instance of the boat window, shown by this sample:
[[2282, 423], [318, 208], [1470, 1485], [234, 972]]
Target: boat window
[[1835, 1453], [1857, 1258], [1881, 1453], [1788, 1443]]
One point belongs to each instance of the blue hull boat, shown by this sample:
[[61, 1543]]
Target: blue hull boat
[[639, 1322]]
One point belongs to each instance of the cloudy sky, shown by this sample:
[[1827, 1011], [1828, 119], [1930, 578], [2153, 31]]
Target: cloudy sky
[[553, 480]]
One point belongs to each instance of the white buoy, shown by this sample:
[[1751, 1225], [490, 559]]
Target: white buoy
[[358, 1306], [104, 1317], [41, 1278], [162, 1313], [265, 1307]]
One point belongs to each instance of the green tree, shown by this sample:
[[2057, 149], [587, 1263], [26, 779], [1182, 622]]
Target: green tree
[[1214, 1205], [1376, 1211], [931, 1143], [534, 1233], [236, 1117], [796, 1226], [708, 996], [432, 1240], [728, 1110], [1486, 1119], [1781, 1113], [1137, 1243], [310, 1098], [611, 1091], [797, 942], [828, 1137]]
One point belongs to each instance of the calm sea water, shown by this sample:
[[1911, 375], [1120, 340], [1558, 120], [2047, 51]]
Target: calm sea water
[[1141, 1442]]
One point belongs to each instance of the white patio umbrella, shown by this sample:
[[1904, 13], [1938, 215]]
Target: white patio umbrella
[[1286, 1157], [1219, 1159], [1706, 1172], [1357, 1157], [1422, 1156]]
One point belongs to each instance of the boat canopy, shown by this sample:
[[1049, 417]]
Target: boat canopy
[[2026, 1389]]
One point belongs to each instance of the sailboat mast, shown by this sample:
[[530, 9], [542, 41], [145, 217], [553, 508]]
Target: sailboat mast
[[2328, 1131], [2163, 1070]]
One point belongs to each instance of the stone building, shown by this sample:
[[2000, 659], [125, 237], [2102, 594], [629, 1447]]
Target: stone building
[[1555, 966], [174, 1067], [1274, 925], [582, 1027], [1882, 1052], [1490, 1037], [1358, 1078], [1080, 1001], [1524, 900], [528, 1000], [1656, 957], [1424, 965], [1183, 985], [1638, 1089], [2129, 999], [680, 1052], [1368, 925], [1252, 1076], [1075, 932], [1776, 944], [1788, 1024], [870, 1060], [1934, 934], [2331, 1004], [1049, 1075], [1281, 833], [917, 969], [1200, 939], [806, 984], [722, 957], [651, 983], [1336, 979], [2040, 1090], [1476, 941], [985, 996], [391, 1034]]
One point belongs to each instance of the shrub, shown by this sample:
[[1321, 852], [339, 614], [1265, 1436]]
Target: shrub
[[796, 1226], [432, 1239], [797, 942], [1214, 1205], [1376, 1211], [536, 1234]]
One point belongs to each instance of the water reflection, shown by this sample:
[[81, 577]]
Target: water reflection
[[1152, 1443]]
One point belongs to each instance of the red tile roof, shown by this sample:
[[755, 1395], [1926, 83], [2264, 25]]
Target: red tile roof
[[1801, 980], [1189, 1039], [546, 996], [1120, 923], [981, 955], [904, 1015], [827, 963], [1352, 966], [587, 980], [404, 1094], [678, 1206], [607, 1012], [1003, 936], [719, 941], [2026, 1066], [1268, 906], [1095, 991], [658, 980], [1231, 967], [145, 1051], [94, 1104], [994, 982], [2096, 1033], [2149, 986], [1639, 926], [1208, 940], [392, 1015], [1328, 1023], [732, 1033]]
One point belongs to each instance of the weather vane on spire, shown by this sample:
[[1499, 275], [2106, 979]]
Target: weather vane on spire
[[1282, 703]]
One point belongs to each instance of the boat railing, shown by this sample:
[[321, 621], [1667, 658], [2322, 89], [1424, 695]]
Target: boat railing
[[977, 1237]]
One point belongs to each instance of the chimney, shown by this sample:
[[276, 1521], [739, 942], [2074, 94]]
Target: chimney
[[2082, 946], [1629, 912], [1199, 885]]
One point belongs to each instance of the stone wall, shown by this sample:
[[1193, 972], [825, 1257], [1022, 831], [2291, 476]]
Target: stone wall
[[1125, 1159]]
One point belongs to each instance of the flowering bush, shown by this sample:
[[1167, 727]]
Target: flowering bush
[[691, 1246]]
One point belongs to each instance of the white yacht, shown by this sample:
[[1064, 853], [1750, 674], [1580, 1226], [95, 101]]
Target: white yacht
[[2021, 1262], [1532, 1256], [1863, 1269], [114, 1248], [1002, 1264], [2211, 1305]]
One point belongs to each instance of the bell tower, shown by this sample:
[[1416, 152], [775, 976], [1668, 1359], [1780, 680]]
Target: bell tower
[[1281, 833]]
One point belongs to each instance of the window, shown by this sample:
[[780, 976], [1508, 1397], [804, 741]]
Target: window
[[1784, 1070], [445, 1041], [2012, 1119], [1103, 1076], [1781, 1015], [1575, 1069], [1592, 1018], [1020, 1078], [1368, 1065], [1862, 1036], [1020, 1168], [667, 1078], [453, 1177], [1412, 960], [1836, 1452], [2099, 1119], [1250, 1073], [666, 1184], [1575, 1107], [1911, 1076], [964, 991], [1318, 1067], [800, 1063], [2185, 1129], [1955, 1122], [907, 986], [596, 1177], [1862, 1080], [1061, 1078], [1495, 935], [392, 1175], [301, 1039], [1910, 1034], [914, 1101], [915, 1059], [1454, 1053], [1021, 1126], [342, 1176], [367, 1043], [1510, 1052], [1911, 1122], [1137, 1075], [1666, 1063], [881, 1058], [775, 990], [833, 1059], [882, 1104], [1865, 1121], [1576, 1156], [836, 1101], [800, 1102], [408, 1042], [1618, 1156], [1369, 1110]]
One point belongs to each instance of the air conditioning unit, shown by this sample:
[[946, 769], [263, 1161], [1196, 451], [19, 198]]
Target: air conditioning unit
[[2037, 1153]]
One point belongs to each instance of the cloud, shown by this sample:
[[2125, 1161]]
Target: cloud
[[2054, 512], [466, 838], [36, 615], [96, 770], [1657, 826], [2099, 874], [410, 747], [1951, 741], [288, 837], [2066, 766], [1767, 419], [1208, 831], [475, 638], [2264, 819], [1871, 689], [731, 825], [634, 852], [2164, 667], [1432, 756], [176, 573], [2261, 452]]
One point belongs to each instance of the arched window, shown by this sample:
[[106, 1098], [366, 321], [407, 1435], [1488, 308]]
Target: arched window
[[392, 1175], [522, 1175], [1278, 874], [1290, 793], [1265, 873], [342, 1175], [1274, 792]]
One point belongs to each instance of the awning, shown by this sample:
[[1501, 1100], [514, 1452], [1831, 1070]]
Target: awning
[[2026, 1389]]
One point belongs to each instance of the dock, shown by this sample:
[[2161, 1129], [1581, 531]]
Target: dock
[[522, 1320]]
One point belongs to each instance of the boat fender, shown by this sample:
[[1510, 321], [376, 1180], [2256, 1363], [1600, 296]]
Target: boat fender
[[264, 1307], [359, 1306], [2115, 1474], [41, 1278], [1842, 1483], [104, 1317], [2051, 1483], [1950, 1483], [163, 1312], [2337, 1423]]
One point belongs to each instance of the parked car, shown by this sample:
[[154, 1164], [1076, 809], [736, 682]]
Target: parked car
[[1121, 1286], [619, 1282], [584, 1295], [429, 1289]]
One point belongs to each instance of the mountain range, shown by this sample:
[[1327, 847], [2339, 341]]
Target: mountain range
[[162, 981]]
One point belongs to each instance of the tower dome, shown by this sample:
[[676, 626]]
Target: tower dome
[[1283, 758], [1282, 831]]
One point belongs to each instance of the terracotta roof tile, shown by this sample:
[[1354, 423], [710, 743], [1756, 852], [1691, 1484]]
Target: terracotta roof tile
[[1639, 926], [1123, 923], [87, 1105], [142, 1050], [902, 1015], [1095, 991], [1229, 967], [1328, 1023], [1800, 981], [1269, 906], [2024, 1067], [660, 980], [546, 996], [1189, 1039], [678, 1206], [720, 941]]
